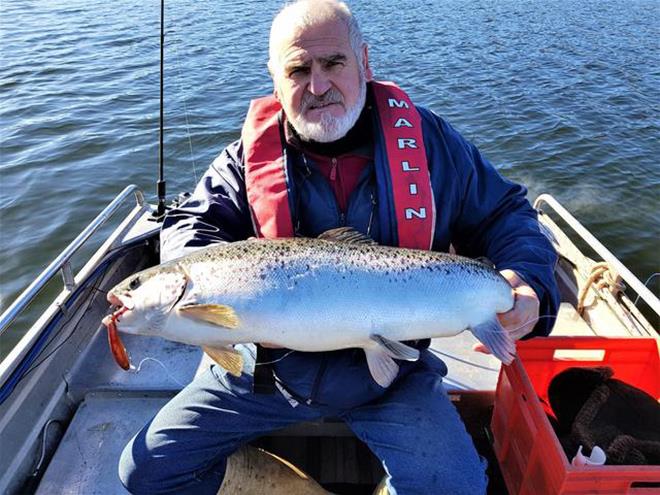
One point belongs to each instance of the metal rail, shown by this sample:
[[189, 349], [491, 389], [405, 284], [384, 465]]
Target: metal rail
[[62, 263], [633, 282]]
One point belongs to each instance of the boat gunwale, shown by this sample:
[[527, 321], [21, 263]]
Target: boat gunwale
[[59, 305], [630, 278]]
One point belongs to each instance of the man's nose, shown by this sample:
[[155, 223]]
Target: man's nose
[[319, 83]]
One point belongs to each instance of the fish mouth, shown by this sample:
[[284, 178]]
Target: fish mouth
[[117, 348]]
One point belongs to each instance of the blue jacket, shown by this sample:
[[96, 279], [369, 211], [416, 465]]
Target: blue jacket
[[478, 211]]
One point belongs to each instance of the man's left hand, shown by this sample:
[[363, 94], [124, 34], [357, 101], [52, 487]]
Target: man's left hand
[[519, 320]]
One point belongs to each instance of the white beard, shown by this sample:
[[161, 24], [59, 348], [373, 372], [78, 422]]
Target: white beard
[[329, 128]]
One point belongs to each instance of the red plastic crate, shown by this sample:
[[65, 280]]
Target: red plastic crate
[[530, 455]]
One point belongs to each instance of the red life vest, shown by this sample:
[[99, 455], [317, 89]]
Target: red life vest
[[401, 132]]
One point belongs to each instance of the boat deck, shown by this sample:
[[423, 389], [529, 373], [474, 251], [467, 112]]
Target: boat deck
[[115, 404]]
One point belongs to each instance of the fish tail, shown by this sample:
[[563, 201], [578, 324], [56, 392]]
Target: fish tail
[[498, 341]]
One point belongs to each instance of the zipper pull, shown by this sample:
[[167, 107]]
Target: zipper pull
[[333, 170], [307, 169], [371, 214]]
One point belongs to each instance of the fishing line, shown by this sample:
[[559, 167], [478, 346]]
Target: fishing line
[[138, 368], [178, 79], [533, 320], [63, 324], [134, 369], [277, 360], [492, 331], [646, 285], [90, 285]]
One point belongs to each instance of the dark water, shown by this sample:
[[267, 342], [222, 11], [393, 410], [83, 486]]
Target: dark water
[[561, 95]]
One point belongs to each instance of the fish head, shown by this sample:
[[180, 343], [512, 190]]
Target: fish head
[[141, 305], [144, 300]]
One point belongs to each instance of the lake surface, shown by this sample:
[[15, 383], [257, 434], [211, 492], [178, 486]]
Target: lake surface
[[562, 95]]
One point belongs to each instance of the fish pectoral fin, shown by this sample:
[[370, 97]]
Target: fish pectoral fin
[[227, 357], [216, 314], [498, 341], [395, 349], [347, 234], [382, 367]]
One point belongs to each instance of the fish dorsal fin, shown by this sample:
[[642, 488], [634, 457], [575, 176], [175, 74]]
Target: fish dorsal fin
[[347, 234], [395, 349], [216, 314], [485, 261], [227, 357]]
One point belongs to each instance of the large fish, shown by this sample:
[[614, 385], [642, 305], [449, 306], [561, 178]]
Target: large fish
[[338, 291]]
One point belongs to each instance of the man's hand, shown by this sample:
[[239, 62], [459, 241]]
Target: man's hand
[[519, 320]]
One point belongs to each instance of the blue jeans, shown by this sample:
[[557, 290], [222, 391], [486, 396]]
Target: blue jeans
[[413, 428]]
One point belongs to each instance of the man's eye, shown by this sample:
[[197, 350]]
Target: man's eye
[[297, 71]]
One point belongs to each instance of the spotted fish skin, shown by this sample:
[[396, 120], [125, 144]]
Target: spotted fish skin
[[318, 295]]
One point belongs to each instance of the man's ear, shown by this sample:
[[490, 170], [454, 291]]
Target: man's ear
[[368, 73], [272, 76]]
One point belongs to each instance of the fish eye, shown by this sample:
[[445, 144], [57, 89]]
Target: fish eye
[[135, 283]]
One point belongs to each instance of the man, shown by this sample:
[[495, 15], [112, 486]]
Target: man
[[342, 151]]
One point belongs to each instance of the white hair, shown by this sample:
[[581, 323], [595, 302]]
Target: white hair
[[301, 14]]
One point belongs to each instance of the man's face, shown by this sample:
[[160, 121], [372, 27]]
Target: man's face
[[318, 80]]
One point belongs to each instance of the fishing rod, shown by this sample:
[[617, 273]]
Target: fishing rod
[[160, 185]]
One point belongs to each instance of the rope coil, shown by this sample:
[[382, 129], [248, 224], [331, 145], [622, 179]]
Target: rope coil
[[602, 276]]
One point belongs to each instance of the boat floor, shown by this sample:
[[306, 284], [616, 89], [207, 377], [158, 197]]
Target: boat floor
[[115, 404]]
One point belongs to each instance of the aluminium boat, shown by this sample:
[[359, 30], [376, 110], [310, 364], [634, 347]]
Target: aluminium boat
[[67, 409]]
